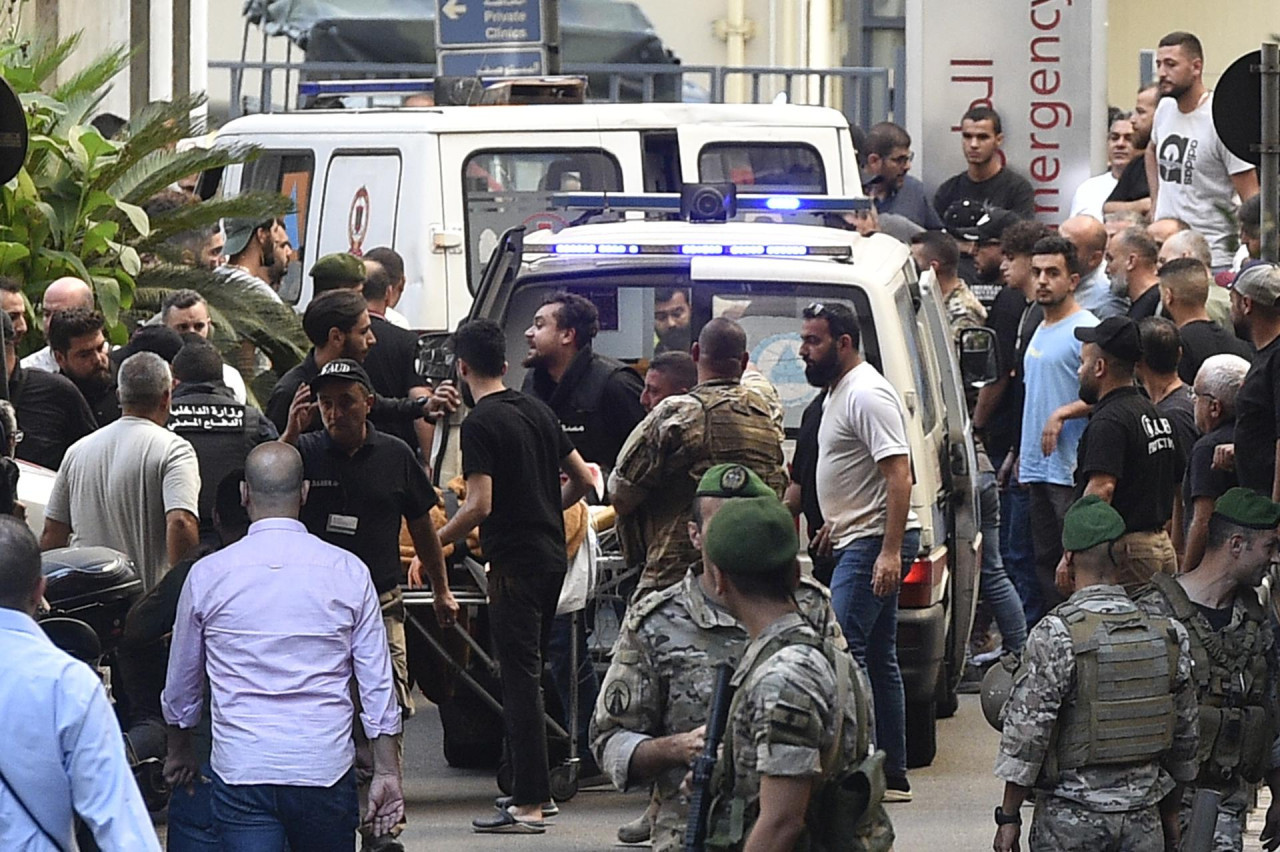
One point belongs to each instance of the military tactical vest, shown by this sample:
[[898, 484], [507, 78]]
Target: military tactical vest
[[739, 429], [1237, 725], [843, 802], [1122, 711]]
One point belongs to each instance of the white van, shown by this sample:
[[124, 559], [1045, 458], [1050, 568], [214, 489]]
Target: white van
[[763, 275], [441, 184]]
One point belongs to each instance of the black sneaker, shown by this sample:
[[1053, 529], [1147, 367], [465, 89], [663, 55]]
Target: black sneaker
[[897, 789]]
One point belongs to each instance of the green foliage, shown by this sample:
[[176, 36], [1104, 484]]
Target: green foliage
[[76, 207]]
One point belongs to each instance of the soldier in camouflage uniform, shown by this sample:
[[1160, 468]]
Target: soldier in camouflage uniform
[[1101, 719], [799, 726], [1234, 660], [654, 700], [720, 420]]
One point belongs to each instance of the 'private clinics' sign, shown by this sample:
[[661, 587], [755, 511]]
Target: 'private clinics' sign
[[1040, 63]]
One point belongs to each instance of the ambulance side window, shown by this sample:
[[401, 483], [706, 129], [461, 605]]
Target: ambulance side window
[[289, 173], [771, 167], [509, 188]]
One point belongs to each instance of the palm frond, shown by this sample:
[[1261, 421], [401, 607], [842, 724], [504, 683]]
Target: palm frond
[[95, 77], [48, 55], [158, 168], [254, 205]]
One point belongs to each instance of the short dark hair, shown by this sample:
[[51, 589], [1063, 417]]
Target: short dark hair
[[666, 294], [377, 281], [1161, 345], [577, 313], [1221, 529], [1249, 215], [841, 320], [65, 326], [722, 342], [1020, 238], [773, 586], [678, 365], [984, 113], [340, 309], [1059, 245], [481, 343], [179, 300], [884, 137], [197, 361], [10, 285], [20, 567], [1137, 240], [939, 248], [390, 260], [1188, 42]]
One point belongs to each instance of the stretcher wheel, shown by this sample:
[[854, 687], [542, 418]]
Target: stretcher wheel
[[564, 781]]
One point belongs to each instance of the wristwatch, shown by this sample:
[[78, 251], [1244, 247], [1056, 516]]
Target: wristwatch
[[1007, 819], [1003, 818]]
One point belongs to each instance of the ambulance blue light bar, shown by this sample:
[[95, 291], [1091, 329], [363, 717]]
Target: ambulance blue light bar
[[669, 202], [692, 250]]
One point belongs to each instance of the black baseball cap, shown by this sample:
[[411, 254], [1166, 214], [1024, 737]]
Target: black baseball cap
[[342, 369], [1116, 336]]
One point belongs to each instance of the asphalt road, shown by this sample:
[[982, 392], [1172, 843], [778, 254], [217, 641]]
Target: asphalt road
[[952, 808]]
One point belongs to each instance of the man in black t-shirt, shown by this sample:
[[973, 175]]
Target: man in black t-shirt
[[1128, 454], [1158, 374], [390, 362], [1184, 292], [1216, 387], [513, 451], [1131, 192], [986, 178], [361, 483], [52, 414], [1255, 305]]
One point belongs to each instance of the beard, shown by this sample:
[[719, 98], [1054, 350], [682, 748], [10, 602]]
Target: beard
[[93, 384], [533, 360], [1119, 286], [1088, 392], [674, 339], [820, 374], [353, 351], [1176, 91]]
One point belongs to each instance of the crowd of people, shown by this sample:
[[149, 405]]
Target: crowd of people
[[1127, 486]]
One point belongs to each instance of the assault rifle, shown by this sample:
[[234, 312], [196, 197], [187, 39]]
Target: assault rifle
[[695, 830]]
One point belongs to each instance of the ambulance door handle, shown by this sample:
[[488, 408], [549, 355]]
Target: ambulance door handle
[[444, 240]]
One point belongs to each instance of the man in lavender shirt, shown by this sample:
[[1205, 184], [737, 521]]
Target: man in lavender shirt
[[282, 622]]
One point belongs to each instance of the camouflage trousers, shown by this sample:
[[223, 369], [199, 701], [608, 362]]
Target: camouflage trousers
[[1060, 825], [1228, 833]]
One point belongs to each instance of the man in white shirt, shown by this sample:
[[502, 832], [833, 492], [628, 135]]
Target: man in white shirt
[[864, 490], [254, 255], [61, 295], [187, 312], [1092, 194], [132, 485], [64, 753], [1192, 175]]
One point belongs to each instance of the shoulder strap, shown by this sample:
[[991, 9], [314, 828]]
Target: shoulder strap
[[845, 683], [639, 610], [1183, 609], [31, 816]]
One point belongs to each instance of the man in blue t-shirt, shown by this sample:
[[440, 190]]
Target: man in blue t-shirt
[[1052, 411]]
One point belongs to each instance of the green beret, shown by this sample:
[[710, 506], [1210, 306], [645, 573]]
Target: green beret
[[753, 535], [1089, 522], [733, 480], [338, 266], [1247, 508]]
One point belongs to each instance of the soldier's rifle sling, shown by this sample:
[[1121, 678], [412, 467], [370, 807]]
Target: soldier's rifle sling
[[695, 831]]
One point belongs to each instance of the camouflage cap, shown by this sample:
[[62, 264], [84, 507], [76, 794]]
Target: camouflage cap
[[1089, 522], [732, 480], [754, 535], [339, 266], [1247, 508]]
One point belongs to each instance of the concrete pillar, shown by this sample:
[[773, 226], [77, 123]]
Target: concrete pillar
[[160, 50]]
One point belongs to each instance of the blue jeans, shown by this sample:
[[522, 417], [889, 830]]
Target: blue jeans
[[588, 682], [191, 826], [995, 586], [870, 625], [1017, 552], [266, 817]]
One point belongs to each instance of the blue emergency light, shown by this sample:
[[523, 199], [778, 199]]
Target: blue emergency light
[[670, 202]]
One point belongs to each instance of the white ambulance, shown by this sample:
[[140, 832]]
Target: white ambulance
[[441, 184]]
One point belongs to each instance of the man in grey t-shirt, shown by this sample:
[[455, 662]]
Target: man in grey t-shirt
[[133, 485]]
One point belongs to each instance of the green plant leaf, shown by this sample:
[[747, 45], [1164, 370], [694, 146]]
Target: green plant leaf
[[107, 291], [97, 239], [12, 253], [137, 217]]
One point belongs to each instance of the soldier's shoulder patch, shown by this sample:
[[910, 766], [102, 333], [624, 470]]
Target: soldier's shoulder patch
[[617, 697]]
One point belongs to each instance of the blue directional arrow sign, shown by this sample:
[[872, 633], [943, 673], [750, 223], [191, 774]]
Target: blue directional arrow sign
[[481, 23]]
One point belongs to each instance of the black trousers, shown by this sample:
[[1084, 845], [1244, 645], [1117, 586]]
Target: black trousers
[[521, 611], [1049, 504]]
